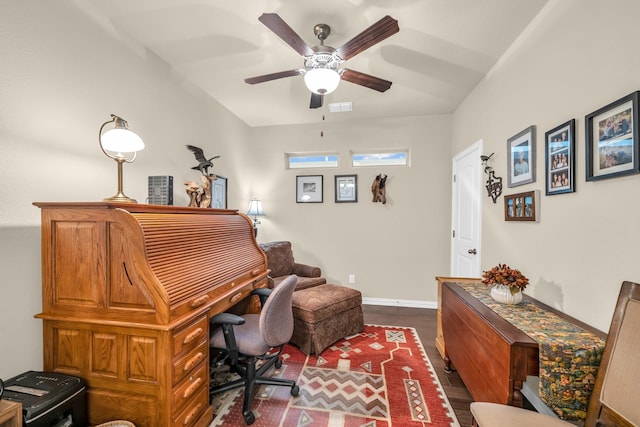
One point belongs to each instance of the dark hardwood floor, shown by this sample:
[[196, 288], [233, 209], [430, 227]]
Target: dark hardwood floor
[[423, 320]]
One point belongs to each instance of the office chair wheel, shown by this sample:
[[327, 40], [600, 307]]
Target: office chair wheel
[[278, 363], [295, 390], [249, 418]]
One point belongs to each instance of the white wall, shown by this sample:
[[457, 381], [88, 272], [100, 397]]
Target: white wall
[[62, 74], [395, 250], [578, 56], [64, 71]]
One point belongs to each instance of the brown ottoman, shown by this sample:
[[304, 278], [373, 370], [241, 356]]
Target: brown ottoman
[[324, 314]]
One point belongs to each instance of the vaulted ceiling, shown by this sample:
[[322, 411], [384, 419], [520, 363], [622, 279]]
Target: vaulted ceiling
[[443, 49]]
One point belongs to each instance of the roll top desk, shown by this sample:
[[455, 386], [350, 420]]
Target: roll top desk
[[127, 293]]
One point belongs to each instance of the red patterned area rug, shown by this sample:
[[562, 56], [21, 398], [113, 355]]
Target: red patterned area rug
[[381, 377]]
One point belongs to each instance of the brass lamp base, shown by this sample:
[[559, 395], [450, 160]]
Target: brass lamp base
[[120, 198]]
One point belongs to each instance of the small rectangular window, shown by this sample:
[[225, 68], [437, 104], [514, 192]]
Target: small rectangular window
[[395, 157], [311, 160]]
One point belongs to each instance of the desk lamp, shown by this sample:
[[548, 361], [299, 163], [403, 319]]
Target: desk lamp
[[255, 210], [118, 143]]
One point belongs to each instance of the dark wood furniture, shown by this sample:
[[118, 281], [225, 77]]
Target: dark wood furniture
[[440, 345], [613, 402], [492, 356], [127, 294]]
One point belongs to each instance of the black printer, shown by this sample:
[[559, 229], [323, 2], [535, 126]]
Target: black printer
[[49, 399]]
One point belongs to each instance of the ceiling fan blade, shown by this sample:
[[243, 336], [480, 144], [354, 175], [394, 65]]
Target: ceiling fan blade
[[285, 32], [272, 76], [379, 31], [316, 100], [362, 79]]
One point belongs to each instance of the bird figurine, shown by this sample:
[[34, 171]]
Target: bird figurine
[[203, 163]]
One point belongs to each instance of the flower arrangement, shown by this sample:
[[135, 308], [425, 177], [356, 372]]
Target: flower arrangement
[[504, 275]]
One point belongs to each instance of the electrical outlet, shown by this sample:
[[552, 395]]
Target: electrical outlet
[[352, 279]]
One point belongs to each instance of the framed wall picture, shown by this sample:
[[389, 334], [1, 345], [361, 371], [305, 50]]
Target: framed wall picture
[[309, 189], [219, 192], [346, 188], [522, 206], [521, 157], [560, 165], [611, 139]]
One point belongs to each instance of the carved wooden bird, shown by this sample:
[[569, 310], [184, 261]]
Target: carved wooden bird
[[204, 163]]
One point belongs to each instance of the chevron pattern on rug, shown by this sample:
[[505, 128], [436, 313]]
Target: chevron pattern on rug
[[378, 378], [350, 392]]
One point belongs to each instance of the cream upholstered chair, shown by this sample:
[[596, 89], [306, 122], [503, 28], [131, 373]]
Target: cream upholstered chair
[[252, 338], [614, 401]]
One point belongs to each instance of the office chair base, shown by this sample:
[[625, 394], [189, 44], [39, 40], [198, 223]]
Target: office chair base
[[249, 416]]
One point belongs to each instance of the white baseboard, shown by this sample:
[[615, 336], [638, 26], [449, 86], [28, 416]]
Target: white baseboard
[[400, 302]]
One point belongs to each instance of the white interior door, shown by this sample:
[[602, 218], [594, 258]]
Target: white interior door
[[466, 212]]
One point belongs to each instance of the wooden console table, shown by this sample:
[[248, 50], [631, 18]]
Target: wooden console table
[[10, 414], [495, 347], [439, 338], [492, 356]]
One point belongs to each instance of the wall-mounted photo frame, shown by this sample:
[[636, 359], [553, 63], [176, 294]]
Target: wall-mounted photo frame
[[309, 189], [611, 139], [219, 192], [346, 188], [521, 157], [560, 164], [522, 206]]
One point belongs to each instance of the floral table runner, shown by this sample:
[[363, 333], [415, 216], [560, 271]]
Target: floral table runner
[[569, 355]]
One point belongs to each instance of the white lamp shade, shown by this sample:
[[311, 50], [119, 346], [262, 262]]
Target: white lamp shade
[[121, 140], [255, 208], [322, 80]]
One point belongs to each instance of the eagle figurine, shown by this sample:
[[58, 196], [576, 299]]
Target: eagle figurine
[[203, 163]]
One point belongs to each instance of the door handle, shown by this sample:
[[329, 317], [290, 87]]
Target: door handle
[[472, 251]]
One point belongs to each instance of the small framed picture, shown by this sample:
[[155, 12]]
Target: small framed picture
[[612, 139], [346, 188], [219, 192], [521, 157], [309, 189], [522, 206], [560, 162]]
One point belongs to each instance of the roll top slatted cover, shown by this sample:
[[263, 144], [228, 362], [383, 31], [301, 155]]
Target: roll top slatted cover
[[191, 253]]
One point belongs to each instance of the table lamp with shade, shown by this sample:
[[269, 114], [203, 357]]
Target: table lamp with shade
[[121, 145], [255, 210]]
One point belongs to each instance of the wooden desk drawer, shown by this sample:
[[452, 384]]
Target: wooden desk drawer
[[185, 391], [186, 364], [191, 336], [10, 414], [190, 414]]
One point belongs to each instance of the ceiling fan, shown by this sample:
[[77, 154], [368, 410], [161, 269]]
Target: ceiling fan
[[321, 63]]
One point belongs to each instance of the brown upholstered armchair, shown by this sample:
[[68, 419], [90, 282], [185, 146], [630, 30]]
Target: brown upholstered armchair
[[282, 264]]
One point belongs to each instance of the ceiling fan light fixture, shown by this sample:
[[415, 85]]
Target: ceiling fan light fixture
[[322, 80]]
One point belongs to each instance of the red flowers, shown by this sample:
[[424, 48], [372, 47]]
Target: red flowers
[[504, 275]]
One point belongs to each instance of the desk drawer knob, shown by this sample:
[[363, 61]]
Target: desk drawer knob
[[236, 297], [192, 414], [192, 388], [193, 336], [193, 361], [199, 301]]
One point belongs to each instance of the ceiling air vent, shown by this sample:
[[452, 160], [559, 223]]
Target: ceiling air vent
[[340, 107]]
